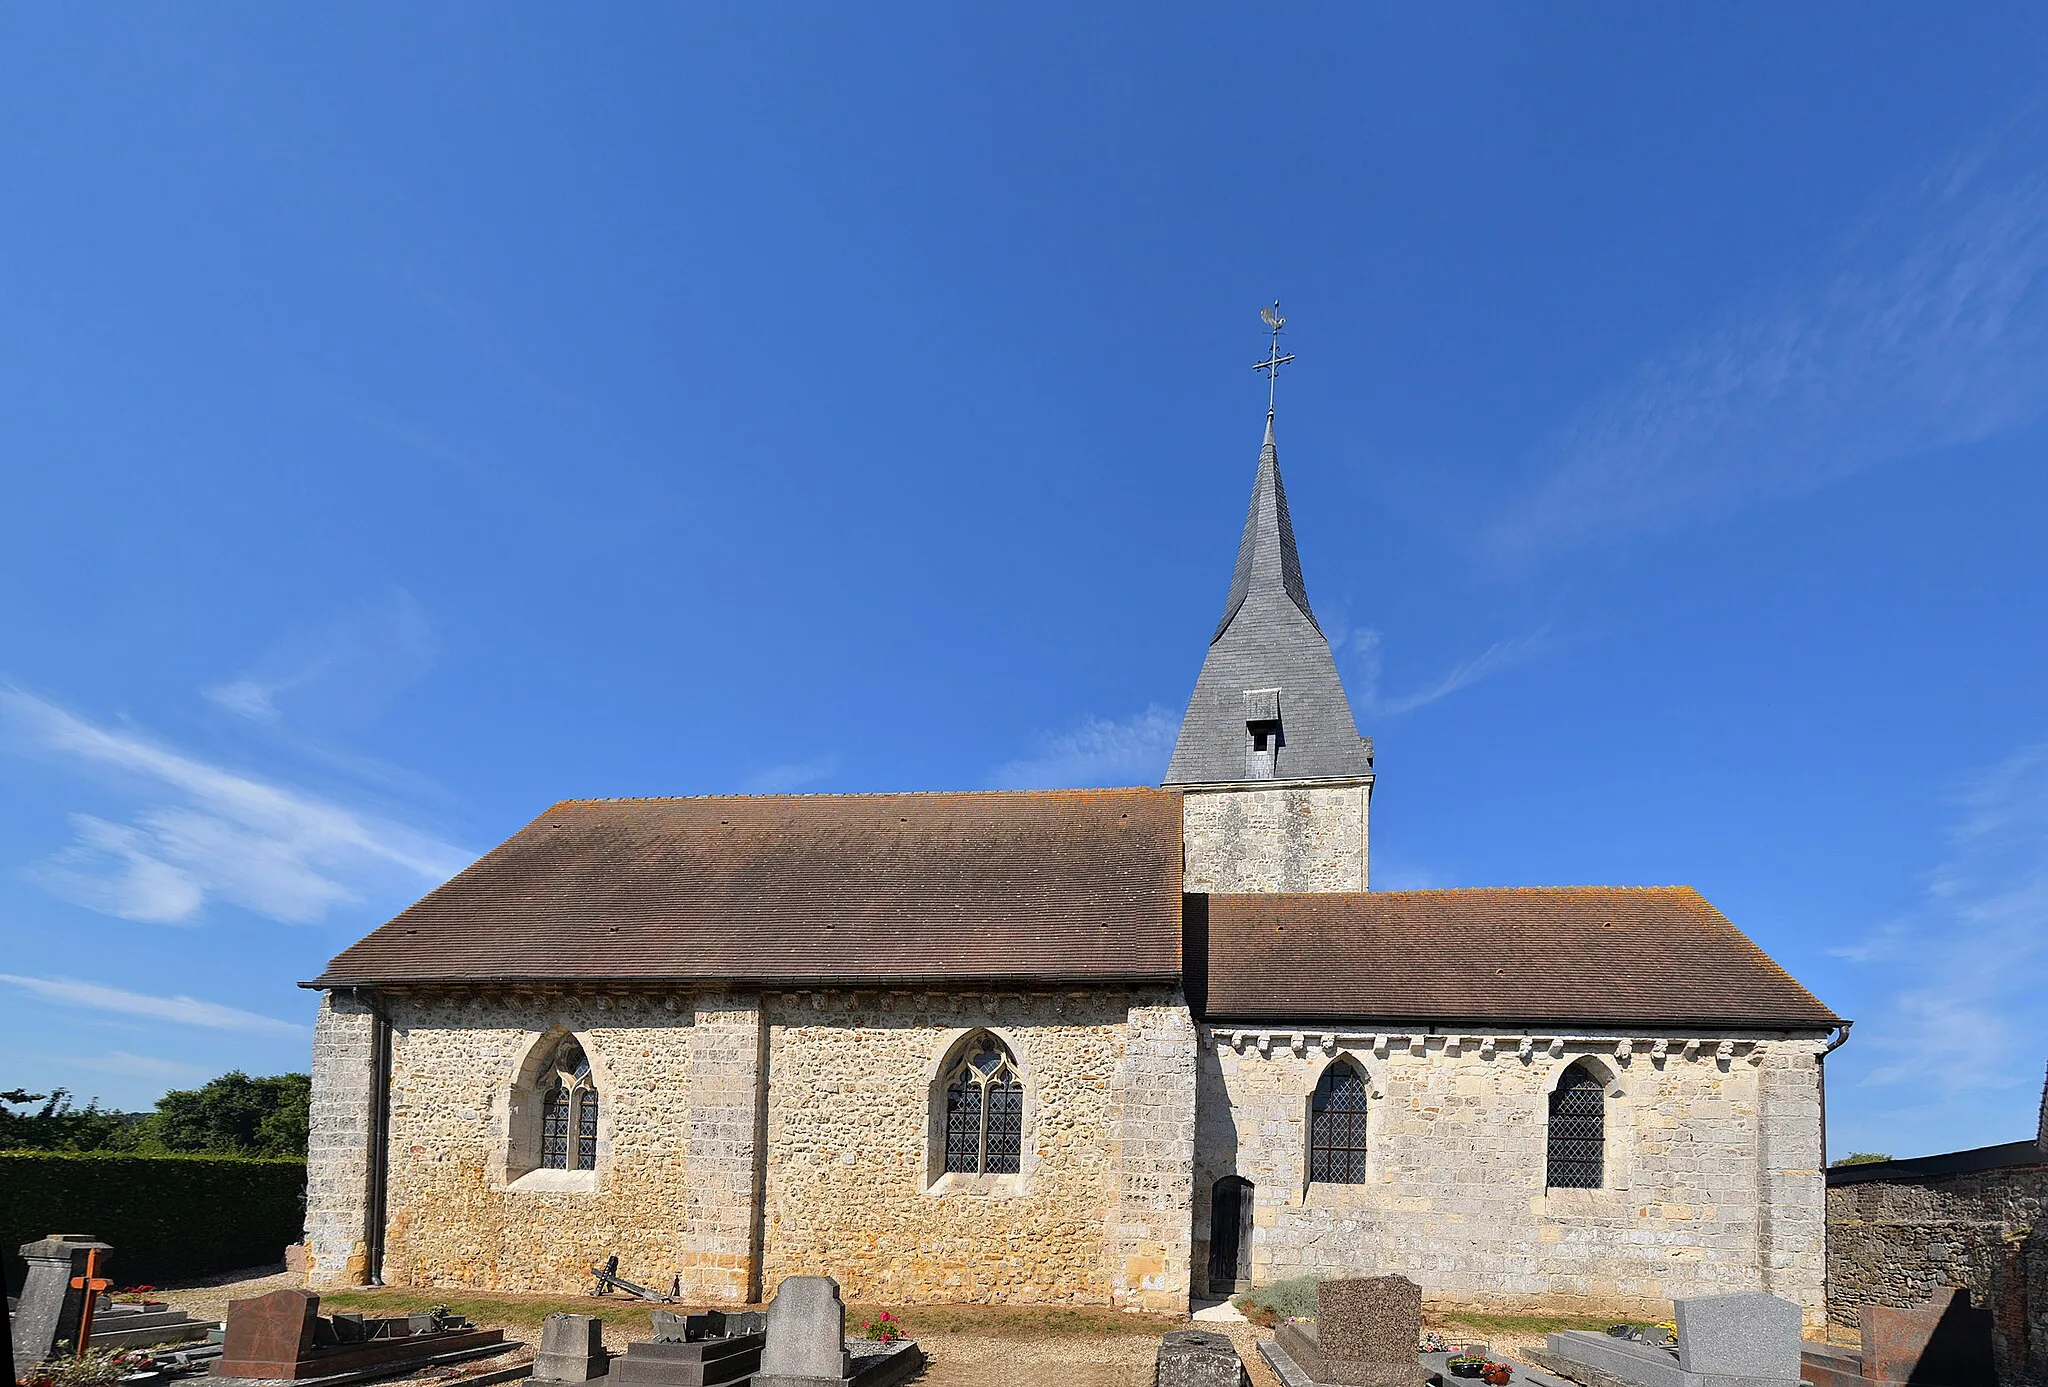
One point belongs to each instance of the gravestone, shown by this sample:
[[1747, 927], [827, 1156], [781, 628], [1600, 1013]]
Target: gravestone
[[1753, 1336], [50, 1307], [806, 1335], [1198, 1358], [268, 1334], [1365, 1334], [1749, 1340], [571, 1349], [1943, 1343]]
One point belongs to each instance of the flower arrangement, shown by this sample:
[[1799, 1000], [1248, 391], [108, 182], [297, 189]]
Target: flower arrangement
[[1434, 1342], [1467, 1365], [886, 1330], [99, 1367], [1497, 1375]]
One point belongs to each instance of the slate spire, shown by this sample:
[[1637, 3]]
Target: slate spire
[[1268, 704], [1266, 553]]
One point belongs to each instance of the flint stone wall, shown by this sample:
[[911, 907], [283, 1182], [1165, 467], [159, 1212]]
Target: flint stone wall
[[1898, 1242], [1454, 1196], [1283, 839], [1098, 1216]]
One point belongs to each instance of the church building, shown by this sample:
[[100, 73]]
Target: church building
[[1096, 1047]]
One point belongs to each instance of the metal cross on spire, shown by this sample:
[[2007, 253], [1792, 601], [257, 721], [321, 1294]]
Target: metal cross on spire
[[1272, 364]]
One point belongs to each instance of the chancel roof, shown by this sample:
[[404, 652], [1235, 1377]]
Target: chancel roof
[[1268, 641], [1586, 955], [1080, 885]]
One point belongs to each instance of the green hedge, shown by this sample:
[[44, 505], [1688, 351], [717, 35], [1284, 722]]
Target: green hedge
[[168, 1217]]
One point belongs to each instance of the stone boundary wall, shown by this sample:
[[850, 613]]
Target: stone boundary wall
[[1899, 1239], [1699, 1133]]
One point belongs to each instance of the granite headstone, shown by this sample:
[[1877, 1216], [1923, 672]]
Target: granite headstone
[[806, 1335], [571, 1349], [1749, 1336]]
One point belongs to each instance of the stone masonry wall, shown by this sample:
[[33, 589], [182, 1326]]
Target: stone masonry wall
[[1897, 1242], [337, 1153], [457, 1215], [1457, 1138], [1283, 839], [1098, 1215], [1098, 1212]]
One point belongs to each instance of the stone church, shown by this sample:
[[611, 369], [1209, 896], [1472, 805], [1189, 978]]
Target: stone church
[[1104, 1047]]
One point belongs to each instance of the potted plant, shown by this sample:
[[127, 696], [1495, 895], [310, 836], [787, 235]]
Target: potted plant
[[1497, 1374], [1467, 1365]]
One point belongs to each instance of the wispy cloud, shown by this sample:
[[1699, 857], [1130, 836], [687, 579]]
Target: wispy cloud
[[1133, 751], [350, 664], [210, 832], [780, 780], [1929, 331], [1960, 976], [1364, 648], [187, 1011]]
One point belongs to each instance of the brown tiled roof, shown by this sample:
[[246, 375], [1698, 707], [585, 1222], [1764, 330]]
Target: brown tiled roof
[[1046, 885], [1583, 954]]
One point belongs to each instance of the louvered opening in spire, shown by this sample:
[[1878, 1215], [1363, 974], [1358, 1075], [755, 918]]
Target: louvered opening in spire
[[1266, 556]]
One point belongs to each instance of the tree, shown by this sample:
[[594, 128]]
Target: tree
[[235, 1115], [1862, 1158], [58, 1126]]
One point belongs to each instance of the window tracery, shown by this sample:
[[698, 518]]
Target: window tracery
[[984, 1110], [568, 1129]]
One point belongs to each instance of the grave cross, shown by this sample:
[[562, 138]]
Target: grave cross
[[92, 1283]]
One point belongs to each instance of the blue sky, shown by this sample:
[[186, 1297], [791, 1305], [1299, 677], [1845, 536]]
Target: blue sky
[[413, 418]]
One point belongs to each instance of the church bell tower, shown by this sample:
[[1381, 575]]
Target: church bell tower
[[1276, 781]]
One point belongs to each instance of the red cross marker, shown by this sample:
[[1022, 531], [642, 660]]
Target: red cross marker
[[92, 1283]]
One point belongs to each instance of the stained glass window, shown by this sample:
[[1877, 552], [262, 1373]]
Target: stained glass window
[[1578, 1132], [569, 1110], [586, 1130], [1336, 1131], [554, 1130], [984, 1111]]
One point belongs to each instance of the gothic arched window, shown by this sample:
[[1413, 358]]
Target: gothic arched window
[[568, 1123], [1336, 1126], [984, 1110], [1578, 1132]]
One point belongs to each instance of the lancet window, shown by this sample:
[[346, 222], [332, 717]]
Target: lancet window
[[1578, 1132], [568, 1125], [984, 1110], [1336, 1126]]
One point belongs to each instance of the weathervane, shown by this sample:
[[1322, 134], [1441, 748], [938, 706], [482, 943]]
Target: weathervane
[[1272, 364]]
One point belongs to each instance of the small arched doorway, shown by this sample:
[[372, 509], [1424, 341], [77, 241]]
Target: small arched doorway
[[1230, 1241]]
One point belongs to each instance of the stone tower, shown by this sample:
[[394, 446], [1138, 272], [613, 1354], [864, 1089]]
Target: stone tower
[[1277, 781]]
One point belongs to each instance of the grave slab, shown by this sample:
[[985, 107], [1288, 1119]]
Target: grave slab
[[1745, 1338], [1199, 1358], [281, 1337]]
